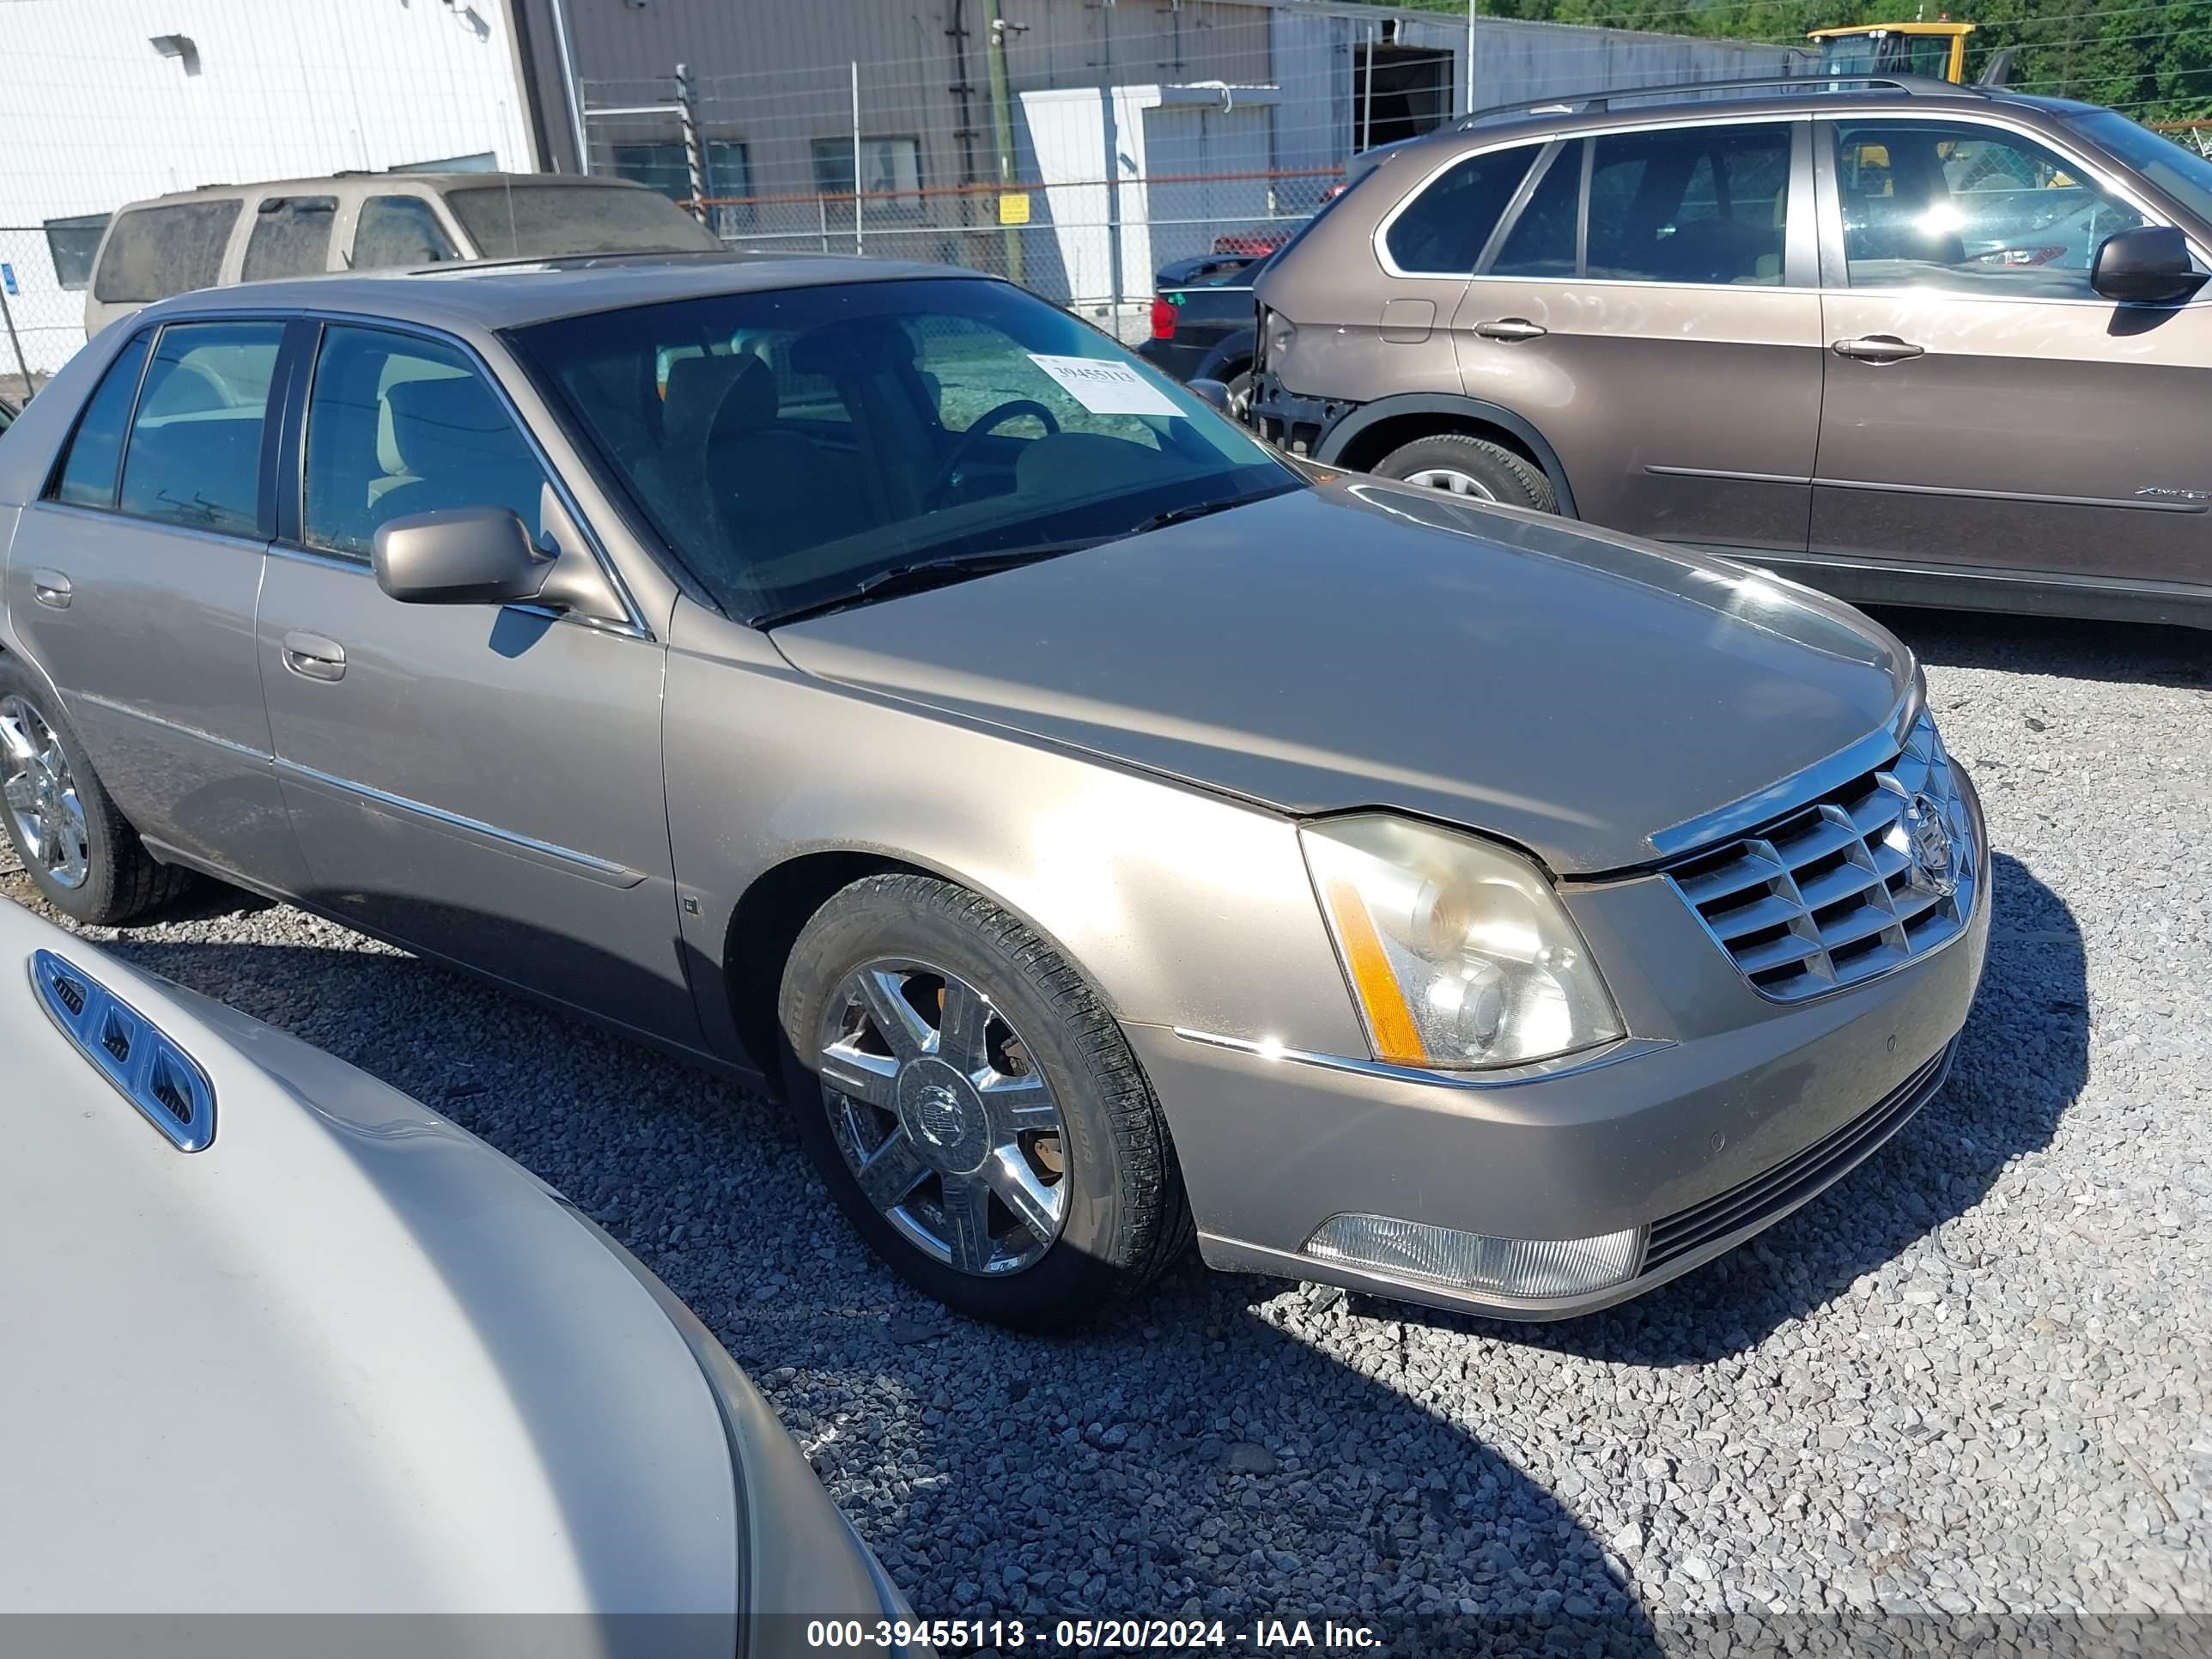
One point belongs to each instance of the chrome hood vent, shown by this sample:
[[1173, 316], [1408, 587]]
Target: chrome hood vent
[[146, 1065]]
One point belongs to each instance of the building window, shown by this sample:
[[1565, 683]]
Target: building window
[[72, 242], [661, 166], [891, 172]]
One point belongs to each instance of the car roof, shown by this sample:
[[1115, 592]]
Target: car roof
[[486, 295], [1661, 106], [455, 179]]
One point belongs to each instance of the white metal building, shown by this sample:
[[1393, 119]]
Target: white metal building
[[110, 100]]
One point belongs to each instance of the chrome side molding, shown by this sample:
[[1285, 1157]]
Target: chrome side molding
[[147, 1066]]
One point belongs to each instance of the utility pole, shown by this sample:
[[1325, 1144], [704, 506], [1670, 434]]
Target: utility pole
[[1002, 135]]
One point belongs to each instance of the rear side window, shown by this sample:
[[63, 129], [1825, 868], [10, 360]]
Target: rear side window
[[398, 230], [1697, 204], [1542, 241], [1443, 230], [535, 221], [87, 474], [155, 252], [291, 237], [194, 456]]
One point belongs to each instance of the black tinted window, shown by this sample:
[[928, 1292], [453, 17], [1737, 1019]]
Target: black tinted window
[[155, 252], [291, 237], [1697, 204], [1445, 228], [1542, 241], [194, 456], [87, 476], [399, 425], [398, 230]]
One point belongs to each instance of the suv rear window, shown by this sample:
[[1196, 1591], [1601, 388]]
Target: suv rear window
[[1443, 230], [537, 221], [155, 252]]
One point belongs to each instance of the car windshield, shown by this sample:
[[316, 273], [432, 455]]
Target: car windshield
[[2180, 173], [541, 222], [793, 444]]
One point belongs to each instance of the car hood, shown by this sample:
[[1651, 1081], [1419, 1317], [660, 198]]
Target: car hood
[[1367, 644], [349, 1359]]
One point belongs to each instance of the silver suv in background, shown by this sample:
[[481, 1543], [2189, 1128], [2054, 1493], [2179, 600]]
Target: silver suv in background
[[227, 234], [1912, 342]]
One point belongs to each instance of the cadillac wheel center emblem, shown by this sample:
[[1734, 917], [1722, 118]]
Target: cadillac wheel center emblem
[[1935, 857]]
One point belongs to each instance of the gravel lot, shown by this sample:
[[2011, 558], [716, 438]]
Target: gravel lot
[[1971, 1379]]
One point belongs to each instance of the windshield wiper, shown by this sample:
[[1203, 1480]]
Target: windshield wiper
[[1185, 515], [920, 575], [925, 574]]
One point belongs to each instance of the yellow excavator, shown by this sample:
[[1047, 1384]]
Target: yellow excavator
[[1937, 49]]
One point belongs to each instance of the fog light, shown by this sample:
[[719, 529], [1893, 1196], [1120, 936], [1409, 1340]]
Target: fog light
[[1478, 1261]]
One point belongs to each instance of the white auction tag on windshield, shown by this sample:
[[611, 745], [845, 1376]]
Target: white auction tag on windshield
[[1106, 387]]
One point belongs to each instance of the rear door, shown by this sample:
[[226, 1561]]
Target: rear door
[[1986, 411], [133, 583], [1650, 308], [477, 780]]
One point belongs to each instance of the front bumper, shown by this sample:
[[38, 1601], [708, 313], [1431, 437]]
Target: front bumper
[[1702, 1139]]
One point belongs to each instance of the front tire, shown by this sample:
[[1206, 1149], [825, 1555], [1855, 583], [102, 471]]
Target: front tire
[[80, 853], [973, 1108], [1460, 463]]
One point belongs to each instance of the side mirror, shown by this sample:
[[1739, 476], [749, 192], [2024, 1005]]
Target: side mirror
[[2148, 266], [459, 556], [1213, 392]]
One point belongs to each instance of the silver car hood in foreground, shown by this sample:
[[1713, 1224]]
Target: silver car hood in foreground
[[1369, 644], [349, 1359]]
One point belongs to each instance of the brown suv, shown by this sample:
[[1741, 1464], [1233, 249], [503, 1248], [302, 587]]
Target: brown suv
[[1912, 342]]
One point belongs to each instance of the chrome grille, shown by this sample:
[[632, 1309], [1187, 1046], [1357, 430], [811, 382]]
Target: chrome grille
[[1849, 886]]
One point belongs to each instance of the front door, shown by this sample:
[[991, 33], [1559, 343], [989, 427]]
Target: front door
[[1985, 408], [482, 782], [133, 584], [1651, 311]]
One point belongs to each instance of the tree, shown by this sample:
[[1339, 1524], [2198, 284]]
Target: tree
[[2151, 59]]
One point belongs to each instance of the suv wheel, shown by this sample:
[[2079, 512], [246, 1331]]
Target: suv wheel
[[79, 853], [973, 1108], [1463, 464]]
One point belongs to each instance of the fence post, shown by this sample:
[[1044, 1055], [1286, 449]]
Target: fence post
[[1002, 135], [569, 88], [16, 344], [1367, 96], [860, 228], [1471, 5], [695, 154]]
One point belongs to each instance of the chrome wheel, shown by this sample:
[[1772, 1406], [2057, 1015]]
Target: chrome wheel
[[1450, 480], [943, 1117], [41, 796]]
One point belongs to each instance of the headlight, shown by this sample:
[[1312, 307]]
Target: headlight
[[1459, 953]]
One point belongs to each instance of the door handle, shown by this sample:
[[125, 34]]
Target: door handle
[[1877, 349], [1511, 328], [312, 657], [52, 589]]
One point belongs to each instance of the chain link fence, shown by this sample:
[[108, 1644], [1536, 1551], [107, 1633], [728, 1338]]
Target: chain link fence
[[41, 307], [1079, 168]]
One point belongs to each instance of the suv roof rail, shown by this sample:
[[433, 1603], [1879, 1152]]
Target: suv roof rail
[[1917, 86]]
